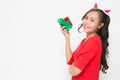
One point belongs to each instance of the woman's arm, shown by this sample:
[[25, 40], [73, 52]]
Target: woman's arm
[[68, 50], [74, 71]]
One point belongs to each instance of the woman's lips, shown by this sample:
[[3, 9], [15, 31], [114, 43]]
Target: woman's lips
[[86, 27]]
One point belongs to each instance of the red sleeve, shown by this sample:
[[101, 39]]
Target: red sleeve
[[87, 53]]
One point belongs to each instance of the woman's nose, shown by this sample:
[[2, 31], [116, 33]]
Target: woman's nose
[[86, 21]]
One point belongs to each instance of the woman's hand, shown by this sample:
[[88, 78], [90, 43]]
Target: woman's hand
[[65, 33]]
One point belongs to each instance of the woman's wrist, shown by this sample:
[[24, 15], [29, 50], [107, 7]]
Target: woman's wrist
[[67, 39]]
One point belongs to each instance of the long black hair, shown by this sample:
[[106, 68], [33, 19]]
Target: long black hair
[[104, 35]]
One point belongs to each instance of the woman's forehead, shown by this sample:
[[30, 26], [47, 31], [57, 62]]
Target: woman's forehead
[[93, 14]]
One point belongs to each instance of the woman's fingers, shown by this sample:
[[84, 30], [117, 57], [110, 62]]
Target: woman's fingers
[[63, 28], [65, 32]]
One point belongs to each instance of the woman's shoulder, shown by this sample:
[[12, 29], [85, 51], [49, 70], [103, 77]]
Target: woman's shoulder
[[95, 39], [94, 42]]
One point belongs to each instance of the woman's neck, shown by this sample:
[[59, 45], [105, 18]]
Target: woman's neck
[[90, 35]]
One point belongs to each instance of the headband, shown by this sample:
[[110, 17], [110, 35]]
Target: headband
[[96, 6]]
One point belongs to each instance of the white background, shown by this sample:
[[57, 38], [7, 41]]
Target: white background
[[32, 46]]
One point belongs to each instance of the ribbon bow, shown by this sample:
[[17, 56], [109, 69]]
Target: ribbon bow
[[96, 6]]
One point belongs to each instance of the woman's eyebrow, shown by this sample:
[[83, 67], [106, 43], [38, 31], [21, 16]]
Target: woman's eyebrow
[[92, 18]]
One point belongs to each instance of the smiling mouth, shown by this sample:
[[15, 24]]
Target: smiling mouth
[[86, 27]]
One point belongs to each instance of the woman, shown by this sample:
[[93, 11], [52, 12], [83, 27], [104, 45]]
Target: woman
[[89, 58]]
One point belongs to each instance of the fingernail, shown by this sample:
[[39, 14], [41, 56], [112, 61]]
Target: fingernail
[[63, 28]]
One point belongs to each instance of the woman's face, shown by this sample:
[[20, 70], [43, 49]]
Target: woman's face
[[91, 22]]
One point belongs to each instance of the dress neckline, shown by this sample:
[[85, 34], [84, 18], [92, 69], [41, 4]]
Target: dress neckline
[[85, 40]]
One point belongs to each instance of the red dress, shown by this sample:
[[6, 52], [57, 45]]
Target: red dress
[[87, 58]]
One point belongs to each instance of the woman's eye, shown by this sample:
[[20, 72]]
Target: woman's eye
[[86, 17], [92, 20]]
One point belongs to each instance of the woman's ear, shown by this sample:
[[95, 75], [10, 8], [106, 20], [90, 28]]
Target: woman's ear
[[101, 25]]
